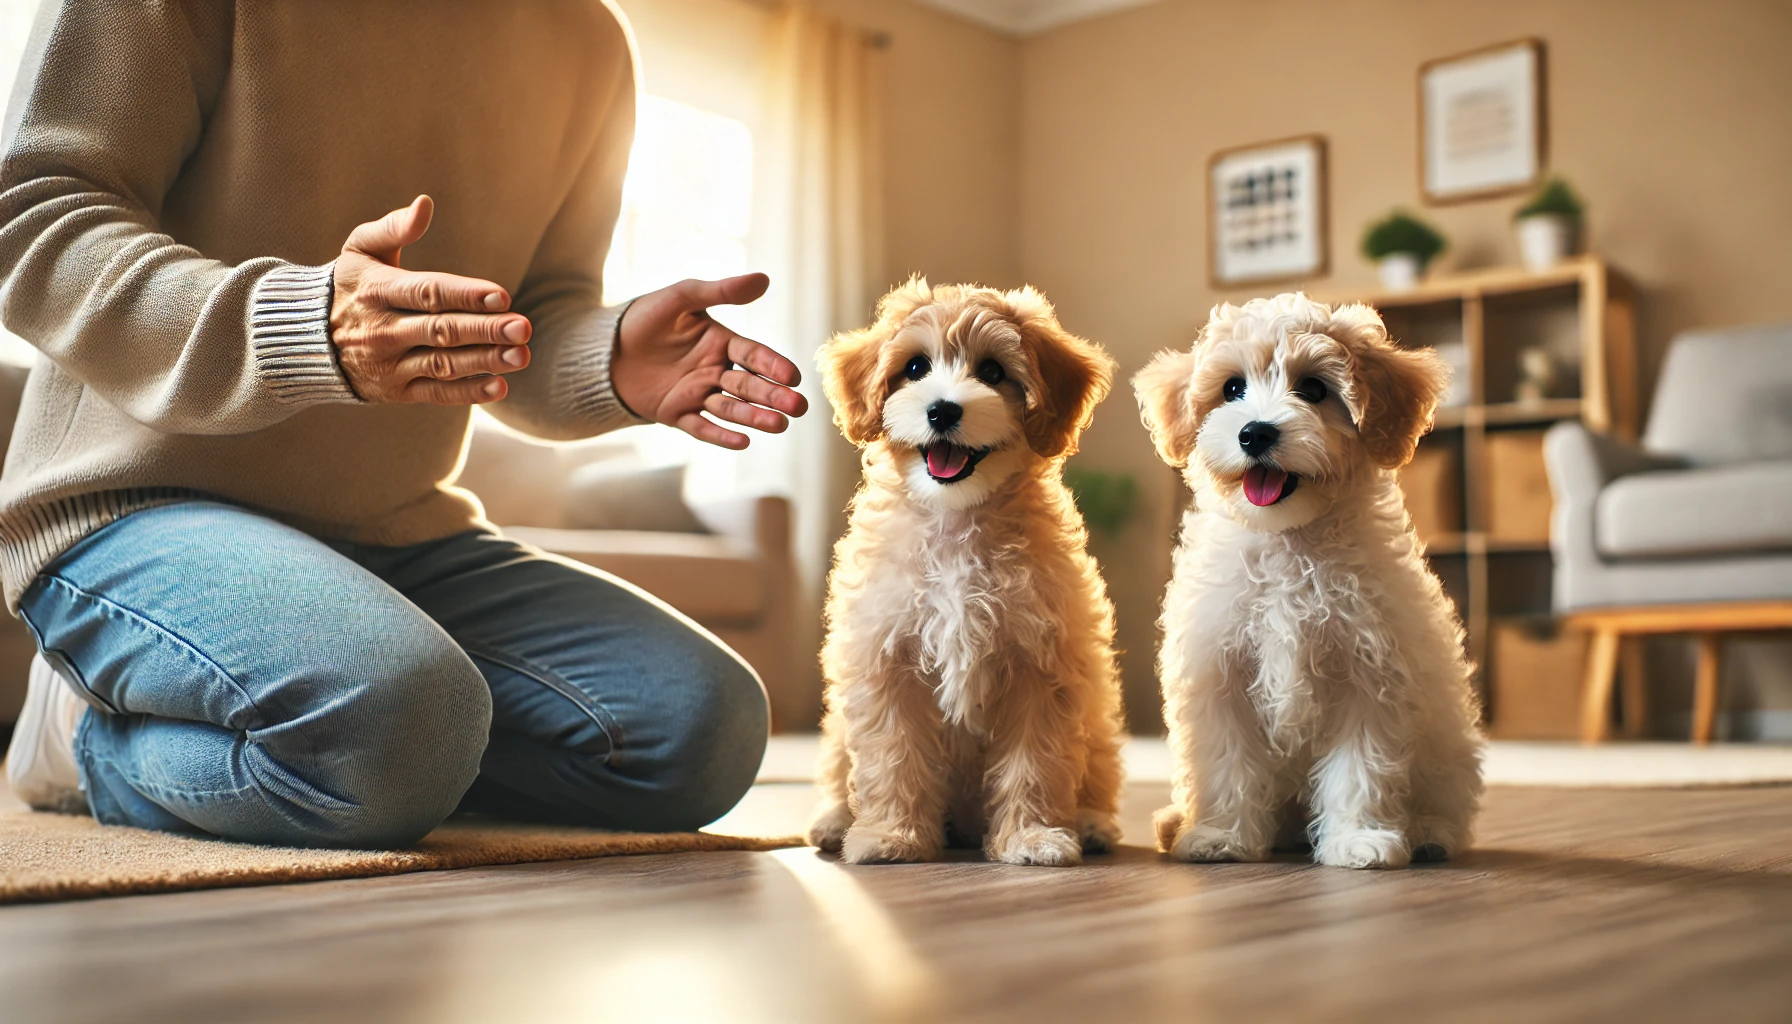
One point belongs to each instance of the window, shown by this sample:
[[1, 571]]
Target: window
[[687, 203]]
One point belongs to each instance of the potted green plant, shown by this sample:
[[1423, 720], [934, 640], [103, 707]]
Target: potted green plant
[[1549, 225], [1106, 500], [1401, 246]]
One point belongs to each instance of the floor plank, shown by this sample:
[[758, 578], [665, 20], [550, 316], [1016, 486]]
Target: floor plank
[[1578, 905]]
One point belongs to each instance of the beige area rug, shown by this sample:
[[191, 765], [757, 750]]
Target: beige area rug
[[1508, 763], [46, 857]]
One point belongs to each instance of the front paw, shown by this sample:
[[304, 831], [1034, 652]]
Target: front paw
[[1098, 830], [827, 829], [1363, 848], [1204, 844], [888, 846], [1038, 845], [1166, 823]]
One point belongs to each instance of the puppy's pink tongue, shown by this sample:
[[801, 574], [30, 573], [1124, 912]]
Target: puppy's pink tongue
[[1263, 485], [946, 460]]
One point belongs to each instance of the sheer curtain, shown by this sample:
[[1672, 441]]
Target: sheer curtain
[[795, 89], [819, 237]]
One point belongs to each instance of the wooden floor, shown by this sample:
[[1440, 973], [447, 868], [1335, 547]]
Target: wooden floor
[[1580, 905]]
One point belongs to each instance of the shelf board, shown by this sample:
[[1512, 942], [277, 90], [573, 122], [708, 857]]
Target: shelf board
[[1475, 543], [1548, 410], [1487, 281]]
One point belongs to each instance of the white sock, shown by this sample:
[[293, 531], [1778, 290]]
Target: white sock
[[40, 765]]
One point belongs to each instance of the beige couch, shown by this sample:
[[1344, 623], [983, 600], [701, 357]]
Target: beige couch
[[16, 645], [736, 577]]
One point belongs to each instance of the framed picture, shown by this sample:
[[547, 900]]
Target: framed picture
[[1481, 130], [1266, 212]]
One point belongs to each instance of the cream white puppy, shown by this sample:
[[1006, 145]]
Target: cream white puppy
[[969, 657], [1312, 667]]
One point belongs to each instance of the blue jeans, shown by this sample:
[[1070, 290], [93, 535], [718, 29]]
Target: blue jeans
[[253, 682]]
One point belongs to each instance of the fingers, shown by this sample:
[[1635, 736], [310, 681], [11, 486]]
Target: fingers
[[746, 414], [449, 330], [763, 361], [474, 391], [384, 238], [729, 291], [456, 363], [759, 391], [433, 292], [703, 430]]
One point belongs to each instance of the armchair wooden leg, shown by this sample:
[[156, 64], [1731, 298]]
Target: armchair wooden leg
[[1634, 680], [1705, 687], [1596, 690]]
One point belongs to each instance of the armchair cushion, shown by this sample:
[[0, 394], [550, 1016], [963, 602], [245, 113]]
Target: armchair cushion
[[623, 495], [710, 578], [1725, 396], [1723, 510]]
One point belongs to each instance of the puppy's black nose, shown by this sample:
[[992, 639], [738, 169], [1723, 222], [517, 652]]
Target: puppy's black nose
[[943, 416], [1258, 437]]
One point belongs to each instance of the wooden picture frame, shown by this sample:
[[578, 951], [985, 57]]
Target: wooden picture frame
[[1483, 128], [1268, 210]]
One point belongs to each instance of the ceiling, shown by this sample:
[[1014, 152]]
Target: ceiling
[[1025, 17]]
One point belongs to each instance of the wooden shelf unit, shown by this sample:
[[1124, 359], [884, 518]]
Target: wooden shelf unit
[[1487, 312]]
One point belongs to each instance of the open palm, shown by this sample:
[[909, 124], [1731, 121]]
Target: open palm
[[674, 363]]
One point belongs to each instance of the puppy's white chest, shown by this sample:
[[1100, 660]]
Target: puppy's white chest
[[958, 623]]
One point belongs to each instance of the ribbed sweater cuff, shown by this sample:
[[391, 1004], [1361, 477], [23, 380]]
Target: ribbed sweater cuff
[[289, 332], [586, 395]]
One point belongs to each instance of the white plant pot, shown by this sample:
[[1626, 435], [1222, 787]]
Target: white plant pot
[[1544, 239], [1399, 271]]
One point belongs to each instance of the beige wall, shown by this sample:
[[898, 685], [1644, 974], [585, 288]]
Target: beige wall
[[1674, 119], [951, 94]]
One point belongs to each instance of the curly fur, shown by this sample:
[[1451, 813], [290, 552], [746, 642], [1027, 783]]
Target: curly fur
[[971, 682], [1312, 667]]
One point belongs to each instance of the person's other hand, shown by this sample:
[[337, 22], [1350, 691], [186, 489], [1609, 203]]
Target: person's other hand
[[673, 364], [410, 336]]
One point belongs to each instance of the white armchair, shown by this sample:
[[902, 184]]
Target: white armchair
[[1690, 531]]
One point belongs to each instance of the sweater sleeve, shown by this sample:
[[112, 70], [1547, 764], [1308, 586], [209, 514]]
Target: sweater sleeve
[[111, 101], [565, 393]]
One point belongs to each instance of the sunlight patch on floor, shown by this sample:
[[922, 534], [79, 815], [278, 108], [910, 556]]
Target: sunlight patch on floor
[[791, 758]]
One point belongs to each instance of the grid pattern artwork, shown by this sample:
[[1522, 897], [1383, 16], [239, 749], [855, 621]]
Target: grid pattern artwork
[[1267, 212], [1260, 209]]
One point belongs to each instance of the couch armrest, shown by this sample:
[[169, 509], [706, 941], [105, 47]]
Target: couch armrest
[[1581, 463], [761, 522]]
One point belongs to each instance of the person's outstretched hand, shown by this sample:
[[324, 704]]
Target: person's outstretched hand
[[409, 336], [673, 364]]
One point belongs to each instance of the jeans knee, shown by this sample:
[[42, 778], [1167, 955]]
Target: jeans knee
[[413, 750], [715, 747]]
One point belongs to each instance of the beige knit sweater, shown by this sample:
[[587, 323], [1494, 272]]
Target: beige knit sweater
[[178, 177]]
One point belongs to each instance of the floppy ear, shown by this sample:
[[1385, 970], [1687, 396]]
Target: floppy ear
[[1073, 375], [1167, 405], [850, 378], [1393, 392], [852, 363]]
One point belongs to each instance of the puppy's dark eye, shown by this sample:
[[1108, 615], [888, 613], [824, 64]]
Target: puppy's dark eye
[[1312, 389], [1234, 389], [990, 372], [918, 367]]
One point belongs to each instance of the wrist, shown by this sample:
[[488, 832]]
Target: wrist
[[619, 366]]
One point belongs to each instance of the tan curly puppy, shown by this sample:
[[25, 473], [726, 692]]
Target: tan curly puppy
[[969, 658]]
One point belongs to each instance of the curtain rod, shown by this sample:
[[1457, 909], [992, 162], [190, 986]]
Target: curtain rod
[[876, 38]]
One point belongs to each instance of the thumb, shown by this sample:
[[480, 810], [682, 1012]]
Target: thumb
[[729, 291], [385, 238]]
